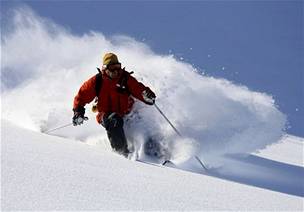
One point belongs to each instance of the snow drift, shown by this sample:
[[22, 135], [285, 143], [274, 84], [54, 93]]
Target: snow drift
[[43, 66]]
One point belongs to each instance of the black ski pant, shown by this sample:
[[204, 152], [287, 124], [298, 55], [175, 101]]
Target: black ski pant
[[113, 124]]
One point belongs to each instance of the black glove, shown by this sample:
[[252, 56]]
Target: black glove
[[149, 96], [112, 120], [79, 117]]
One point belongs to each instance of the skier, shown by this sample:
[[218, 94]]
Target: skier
[[113, 89]]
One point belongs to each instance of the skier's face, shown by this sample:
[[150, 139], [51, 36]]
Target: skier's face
[[113, 70]]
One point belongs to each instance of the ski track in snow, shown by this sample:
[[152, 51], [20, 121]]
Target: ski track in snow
[[215, 116]]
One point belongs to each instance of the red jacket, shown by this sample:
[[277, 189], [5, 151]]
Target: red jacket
[[109, 99]]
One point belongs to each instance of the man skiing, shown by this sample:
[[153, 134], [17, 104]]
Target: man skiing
[[113, 90]]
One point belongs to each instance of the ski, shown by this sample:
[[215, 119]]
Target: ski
[[166, 163]]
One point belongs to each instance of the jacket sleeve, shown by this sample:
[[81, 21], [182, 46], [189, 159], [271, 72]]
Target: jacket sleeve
[[136, 88], [86, 93]]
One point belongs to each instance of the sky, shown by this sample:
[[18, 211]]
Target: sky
[[255, 44]]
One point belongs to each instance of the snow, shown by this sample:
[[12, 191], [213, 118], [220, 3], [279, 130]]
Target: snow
[[237, 132], [293, 151], [215, 116], [43, 172]]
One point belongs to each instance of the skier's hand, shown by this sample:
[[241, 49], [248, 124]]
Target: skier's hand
[[79, 117], [112, 120], [149, 96]]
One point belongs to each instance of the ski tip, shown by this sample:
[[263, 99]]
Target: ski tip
[[166, 161]]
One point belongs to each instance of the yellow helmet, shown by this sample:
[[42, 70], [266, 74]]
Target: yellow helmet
[[110, 58]]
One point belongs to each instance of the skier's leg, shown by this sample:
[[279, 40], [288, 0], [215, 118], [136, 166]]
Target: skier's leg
[[114, 126], [156, 147], [152, 147], [131, 122]]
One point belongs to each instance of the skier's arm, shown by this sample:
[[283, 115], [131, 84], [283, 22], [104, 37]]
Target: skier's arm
[[86, 93], [137, 88]]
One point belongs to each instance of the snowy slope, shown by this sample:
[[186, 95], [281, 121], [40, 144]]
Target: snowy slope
[[235, 130], [42, 172], [288, 150], [216, 117]]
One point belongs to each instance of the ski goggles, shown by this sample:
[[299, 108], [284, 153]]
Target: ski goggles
[[113, 67]]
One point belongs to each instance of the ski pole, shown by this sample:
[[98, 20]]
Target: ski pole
[[161, 112], [196, 157], [57, 128]]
